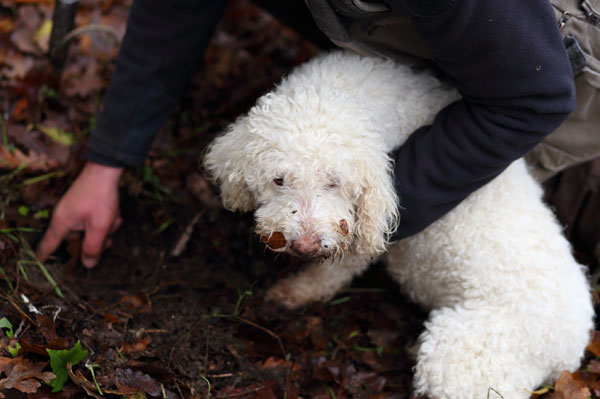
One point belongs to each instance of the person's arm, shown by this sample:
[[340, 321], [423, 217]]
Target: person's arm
[[163, 45], [508, 61]]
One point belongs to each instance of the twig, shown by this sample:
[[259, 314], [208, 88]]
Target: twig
[[206, 355], [271, 333], [288, 381], [251, 323], [21, 312], [226, 375], [231, 395], [185, 236], [90, 28], [178, 389]]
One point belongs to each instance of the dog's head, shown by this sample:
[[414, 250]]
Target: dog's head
[[318, 184]]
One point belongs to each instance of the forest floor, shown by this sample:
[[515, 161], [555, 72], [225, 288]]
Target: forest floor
[[175, 308]]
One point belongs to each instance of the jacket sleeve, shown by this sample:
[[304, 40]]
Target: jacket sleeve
[[163, 46], [508, 61]]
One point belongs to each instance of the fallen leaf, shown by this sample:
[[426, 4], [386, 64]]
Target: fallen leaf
[[594, 345], [139, 345], [138, 302], [22, 374], [6, 25], [58, 135], [111, 318], [29, 19], [34, 161], [59, 359], [19, 112], [131, 382], [593, 367], [83, 382], [567, 387], [42, 35], [541, 391], [385, 338], [83, 83], [29, 16], [17, 63]]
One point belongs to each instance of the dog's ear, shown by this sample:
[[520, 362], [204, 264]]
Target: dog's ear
[[226, 161], [377, 212]]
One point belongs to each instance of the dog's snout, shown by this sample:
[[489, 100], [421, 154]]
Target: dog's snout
[[307, 245]]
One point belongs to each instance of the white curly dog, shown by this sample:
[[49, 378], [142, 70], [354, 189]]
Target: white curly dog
[[510, 307]]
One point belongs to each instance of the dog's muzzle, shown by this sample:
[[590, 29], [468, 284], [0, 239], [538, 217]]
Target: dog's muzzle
[[309, 245]]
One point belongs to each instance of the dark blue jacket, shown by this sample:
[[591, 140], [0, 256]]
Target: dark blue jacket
[[506, 57]]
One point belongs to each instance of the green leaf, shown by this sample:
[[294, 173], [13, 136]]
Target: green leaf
[[41, 214], [60, 136], [59, 360], [4, 323], [23, 210], [14, 350]]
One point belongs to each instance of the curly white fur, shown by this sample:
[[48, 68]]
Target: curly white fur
[[510, 306]]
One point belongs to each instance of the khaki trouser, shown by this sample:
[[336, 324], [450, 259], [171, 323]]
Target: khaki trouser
[[373, 31]]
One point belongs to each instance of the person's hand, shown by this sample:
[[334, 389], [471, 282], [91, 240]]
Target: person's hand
[[90, 205]]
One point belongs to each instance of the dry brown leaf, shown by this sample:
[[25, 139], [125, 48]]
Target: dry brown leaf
[[139, 345], [567, 387], [276, 362], [131, 382], [83, 382], [35, 162], [593, 367], [6, 25], [22, 374], [138, 302], [15, 64], [83, 83], [594, 345], [23, 37]]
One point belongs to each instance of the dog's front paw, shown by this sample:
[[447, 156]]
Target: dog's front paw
[[297, 291], [290, 294], [317, 282]]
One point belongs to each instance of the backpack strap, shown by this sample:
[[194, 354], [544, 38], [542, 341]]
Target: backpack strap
[[592, 9]]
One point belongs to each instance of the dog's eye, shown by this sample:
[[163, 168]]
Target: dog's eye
[[278, 181], [332, 184]]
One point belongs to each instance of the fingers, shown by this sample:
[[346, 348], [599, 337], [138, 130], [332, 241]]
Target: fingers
[[115, 225], [94, 241], [51, 239]]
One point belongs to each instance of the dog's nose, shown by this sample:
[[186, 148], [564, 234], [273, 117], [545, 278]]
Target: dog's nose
[[307, 245]]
